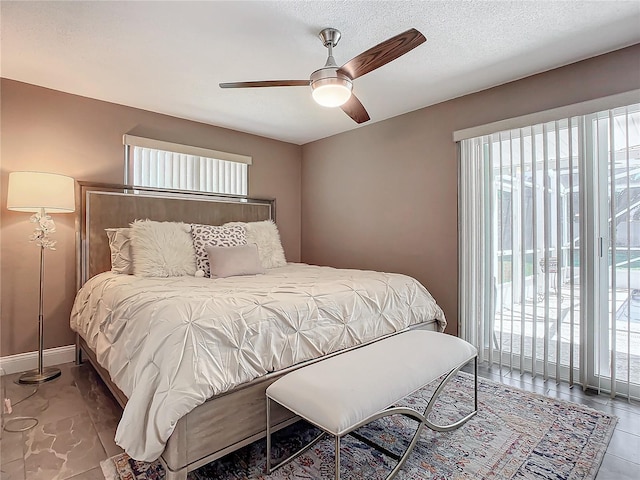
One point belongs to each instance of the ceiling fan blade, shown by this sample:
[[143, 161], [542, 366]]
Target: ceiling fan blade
[[269, 83], [355, 110], [382, 53]]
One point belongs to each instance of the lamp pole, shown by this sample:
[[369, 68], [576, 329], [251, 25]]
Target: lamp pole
[[42, 374]]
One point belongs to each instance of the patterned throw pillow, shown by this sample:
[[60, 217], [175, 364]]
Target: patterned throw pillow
[[203, 235]]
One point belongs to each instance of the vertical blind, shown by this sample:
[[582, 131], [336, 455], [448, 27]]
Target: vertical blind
[[517, 192], [162, 169], [159, 164], [547, 214]]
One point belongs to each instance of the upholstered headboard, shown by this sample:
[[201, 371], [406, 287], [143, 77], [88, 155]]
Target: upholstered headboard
[[101, 206]]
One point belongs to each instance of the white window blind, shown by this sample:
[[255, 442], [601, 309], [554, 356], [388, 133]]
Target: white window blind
[[157, 164], [549, 249]]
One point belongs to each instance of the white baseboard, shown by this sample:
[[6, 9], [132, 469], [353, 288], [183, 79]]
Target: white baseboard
[[29, 361]]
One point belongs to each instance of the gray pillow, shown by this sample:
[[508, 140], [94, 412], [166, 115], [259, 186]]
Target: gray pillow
[[231, 261]]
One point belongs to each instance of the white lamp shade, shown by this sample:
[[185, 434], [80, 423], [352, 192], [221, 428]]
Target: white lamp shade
[[33, 191]]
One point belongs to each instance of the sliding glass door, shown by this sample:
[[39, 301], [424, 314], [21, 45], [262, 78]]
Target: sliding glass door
[[615, 145], [540, 290]]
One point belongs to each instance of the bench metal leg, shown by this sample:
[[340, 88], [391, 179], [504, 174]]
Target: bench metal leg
[[408, 412], [337, 457], [268, 435], [270, 469], [436, 394]]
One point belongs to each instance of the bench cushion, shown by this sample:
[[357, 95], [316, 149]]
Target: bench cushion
[[338, 393]]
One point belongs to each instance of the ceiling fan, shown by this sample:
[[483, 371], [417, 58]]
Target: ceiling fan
[[332, 85]]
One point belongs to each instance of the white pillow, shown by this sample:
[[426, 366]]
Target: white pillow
[[266, 236], [231, 261], [162, 249], [120, 246], [217, 236]]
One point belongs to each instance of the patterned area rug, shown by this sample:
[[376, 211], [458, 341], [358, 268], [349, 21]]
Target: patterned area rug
[[516, 435]]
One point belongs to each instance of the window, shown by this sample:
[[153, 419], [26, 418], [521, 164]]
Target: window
[[550, 249], [158, 164]]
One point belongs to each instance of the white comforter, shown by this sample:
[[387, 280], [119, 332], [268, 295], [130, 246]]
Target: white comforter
[[171, 343]]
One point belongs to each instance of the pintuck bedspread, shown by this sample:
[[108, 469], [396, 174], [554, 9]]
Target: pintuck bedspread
[[171, 343]]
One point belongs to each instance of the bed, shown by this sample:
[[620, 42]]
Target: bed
[[191, 365]]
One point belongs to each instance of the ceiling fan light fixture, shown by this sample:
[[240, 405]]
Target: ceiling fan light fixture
[[331, 85], [331, 92]]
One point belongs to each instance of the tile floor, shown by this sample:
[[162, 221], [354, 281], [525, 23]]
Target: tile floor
[[77, 419]]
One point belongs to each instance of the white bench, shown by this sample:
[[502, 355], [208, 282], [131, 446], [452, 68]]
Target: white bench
[[349, 390]]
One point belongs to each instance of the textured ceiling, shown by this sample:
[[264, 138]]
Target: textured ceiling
[[169, 57]]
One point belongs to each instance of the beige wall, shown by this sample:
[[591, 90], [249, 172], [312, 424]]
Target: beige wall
[[46, 130], [384, 196]]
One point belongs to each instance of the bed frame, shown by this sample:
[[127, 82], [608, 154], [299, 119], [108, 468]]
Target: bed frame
[[225, 422]]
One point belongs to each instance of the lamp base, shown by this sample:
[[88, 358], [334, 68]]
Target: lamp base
[[35, 377]]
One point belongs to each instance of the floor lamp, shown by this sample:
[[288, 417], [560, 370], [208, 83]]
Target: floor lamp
[[42, 193]]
